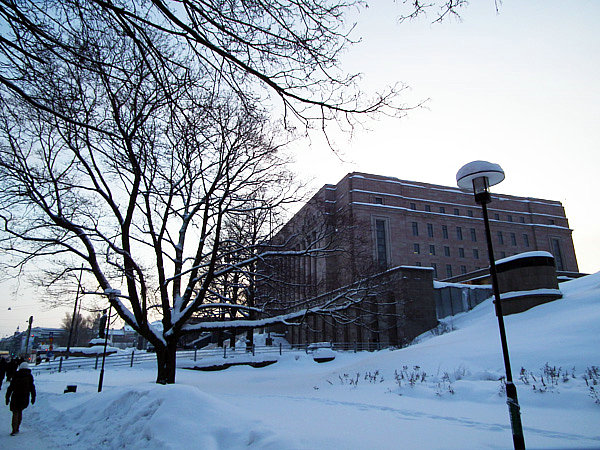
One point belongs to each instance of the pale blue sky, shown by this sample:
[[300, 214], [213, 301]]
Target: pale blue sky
[[520, 88]]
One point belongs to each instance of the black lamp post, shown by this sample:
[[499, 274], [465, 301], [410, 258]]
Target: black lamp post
[[112, 293], [477, 177]]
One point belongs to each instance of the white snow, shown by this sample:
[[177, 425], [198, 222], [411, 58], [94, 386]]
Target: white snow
[[443, 392], [531, 292], [524, 255]]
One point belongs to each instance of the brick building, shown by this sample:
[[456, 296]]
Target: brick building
[[367, 224]]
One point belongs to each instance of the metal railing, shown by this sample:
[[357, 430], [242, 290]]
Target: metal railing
[[138, 357]]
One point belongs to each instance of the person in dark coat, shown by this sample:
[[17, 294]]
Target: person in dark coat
[[11, 367], [3, 364], [18, 393]]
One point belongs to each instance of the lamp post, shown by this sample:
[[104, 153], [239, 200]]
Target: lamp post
[[477, 177], [74, 316], [112, 293]]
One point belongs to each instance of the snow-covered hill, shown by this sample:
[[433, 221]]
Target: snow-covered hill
[[443, 392]]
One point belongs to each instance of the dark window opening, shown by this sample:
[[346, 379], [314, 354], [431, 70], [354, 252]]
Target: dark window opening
[[381, 244], [558, 256], [415, 229]]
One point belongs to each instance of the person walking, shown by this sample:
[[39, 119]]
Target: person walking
[[11, 367], [19, 391]]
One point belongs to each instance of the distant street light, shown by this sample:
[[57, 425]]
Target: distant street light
[[477, 177]]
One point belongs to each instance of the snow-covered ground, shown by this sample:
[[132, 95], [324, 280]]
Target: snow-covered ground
[[443, 392]]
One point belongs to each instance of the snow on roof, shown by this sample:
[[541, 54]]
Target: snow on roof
[[525, 255]]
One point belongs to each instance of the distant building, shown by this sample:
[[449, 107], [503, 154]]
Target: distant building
[[367, 224], [40, 338]]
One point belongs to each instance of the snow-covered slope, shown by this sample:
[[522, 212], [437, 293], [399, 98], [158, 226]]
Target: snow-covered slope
[[443, 392]]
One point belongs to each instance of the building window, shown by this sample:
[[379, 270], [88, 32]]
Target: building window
[[526, 240], [442, 210], [446, 250], [473, 235], [509, 217], [434, 266], [416, 249], [497, 216], [430, 229], [427, 208], [551, 221], [418, 263], [500, 238], [413, 206], [502, 255], [461, 252], [556, 251], [381, 243], [415, 228], [432, 250], [459, 233], [463, 269], [522, 219], [444, 231], [475, 253], [513, 238], [448, 270], [456, 212], [379, 200]]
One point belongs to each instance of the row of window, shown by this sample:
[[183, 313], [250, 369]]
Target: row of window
[[449, 274], [472, 231], [459, 231], [432, 251], [457, 212]]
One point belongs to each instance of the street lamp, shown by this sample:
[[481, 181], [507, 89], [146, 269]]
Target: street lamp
[[477, 177], [112, 294]]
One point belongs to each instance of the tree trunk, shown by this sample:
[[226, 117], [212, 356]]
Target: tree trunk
[[166, 358]]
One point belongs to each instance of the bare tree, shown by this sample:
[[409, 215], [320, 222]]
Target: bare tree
[[139, 167], [260, 50], [131, 138], [83, 328]]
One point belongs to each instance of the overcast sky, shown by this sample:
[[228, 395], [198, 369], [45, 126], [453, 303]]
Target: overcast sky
[[520, 88]]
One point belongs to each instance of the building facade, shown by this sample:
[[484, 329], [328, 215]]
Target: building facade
[[367, 224]]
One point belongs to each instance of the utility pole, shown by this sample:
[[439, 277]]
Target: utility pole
[[28, 335], [112, 293], [74, 316]]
